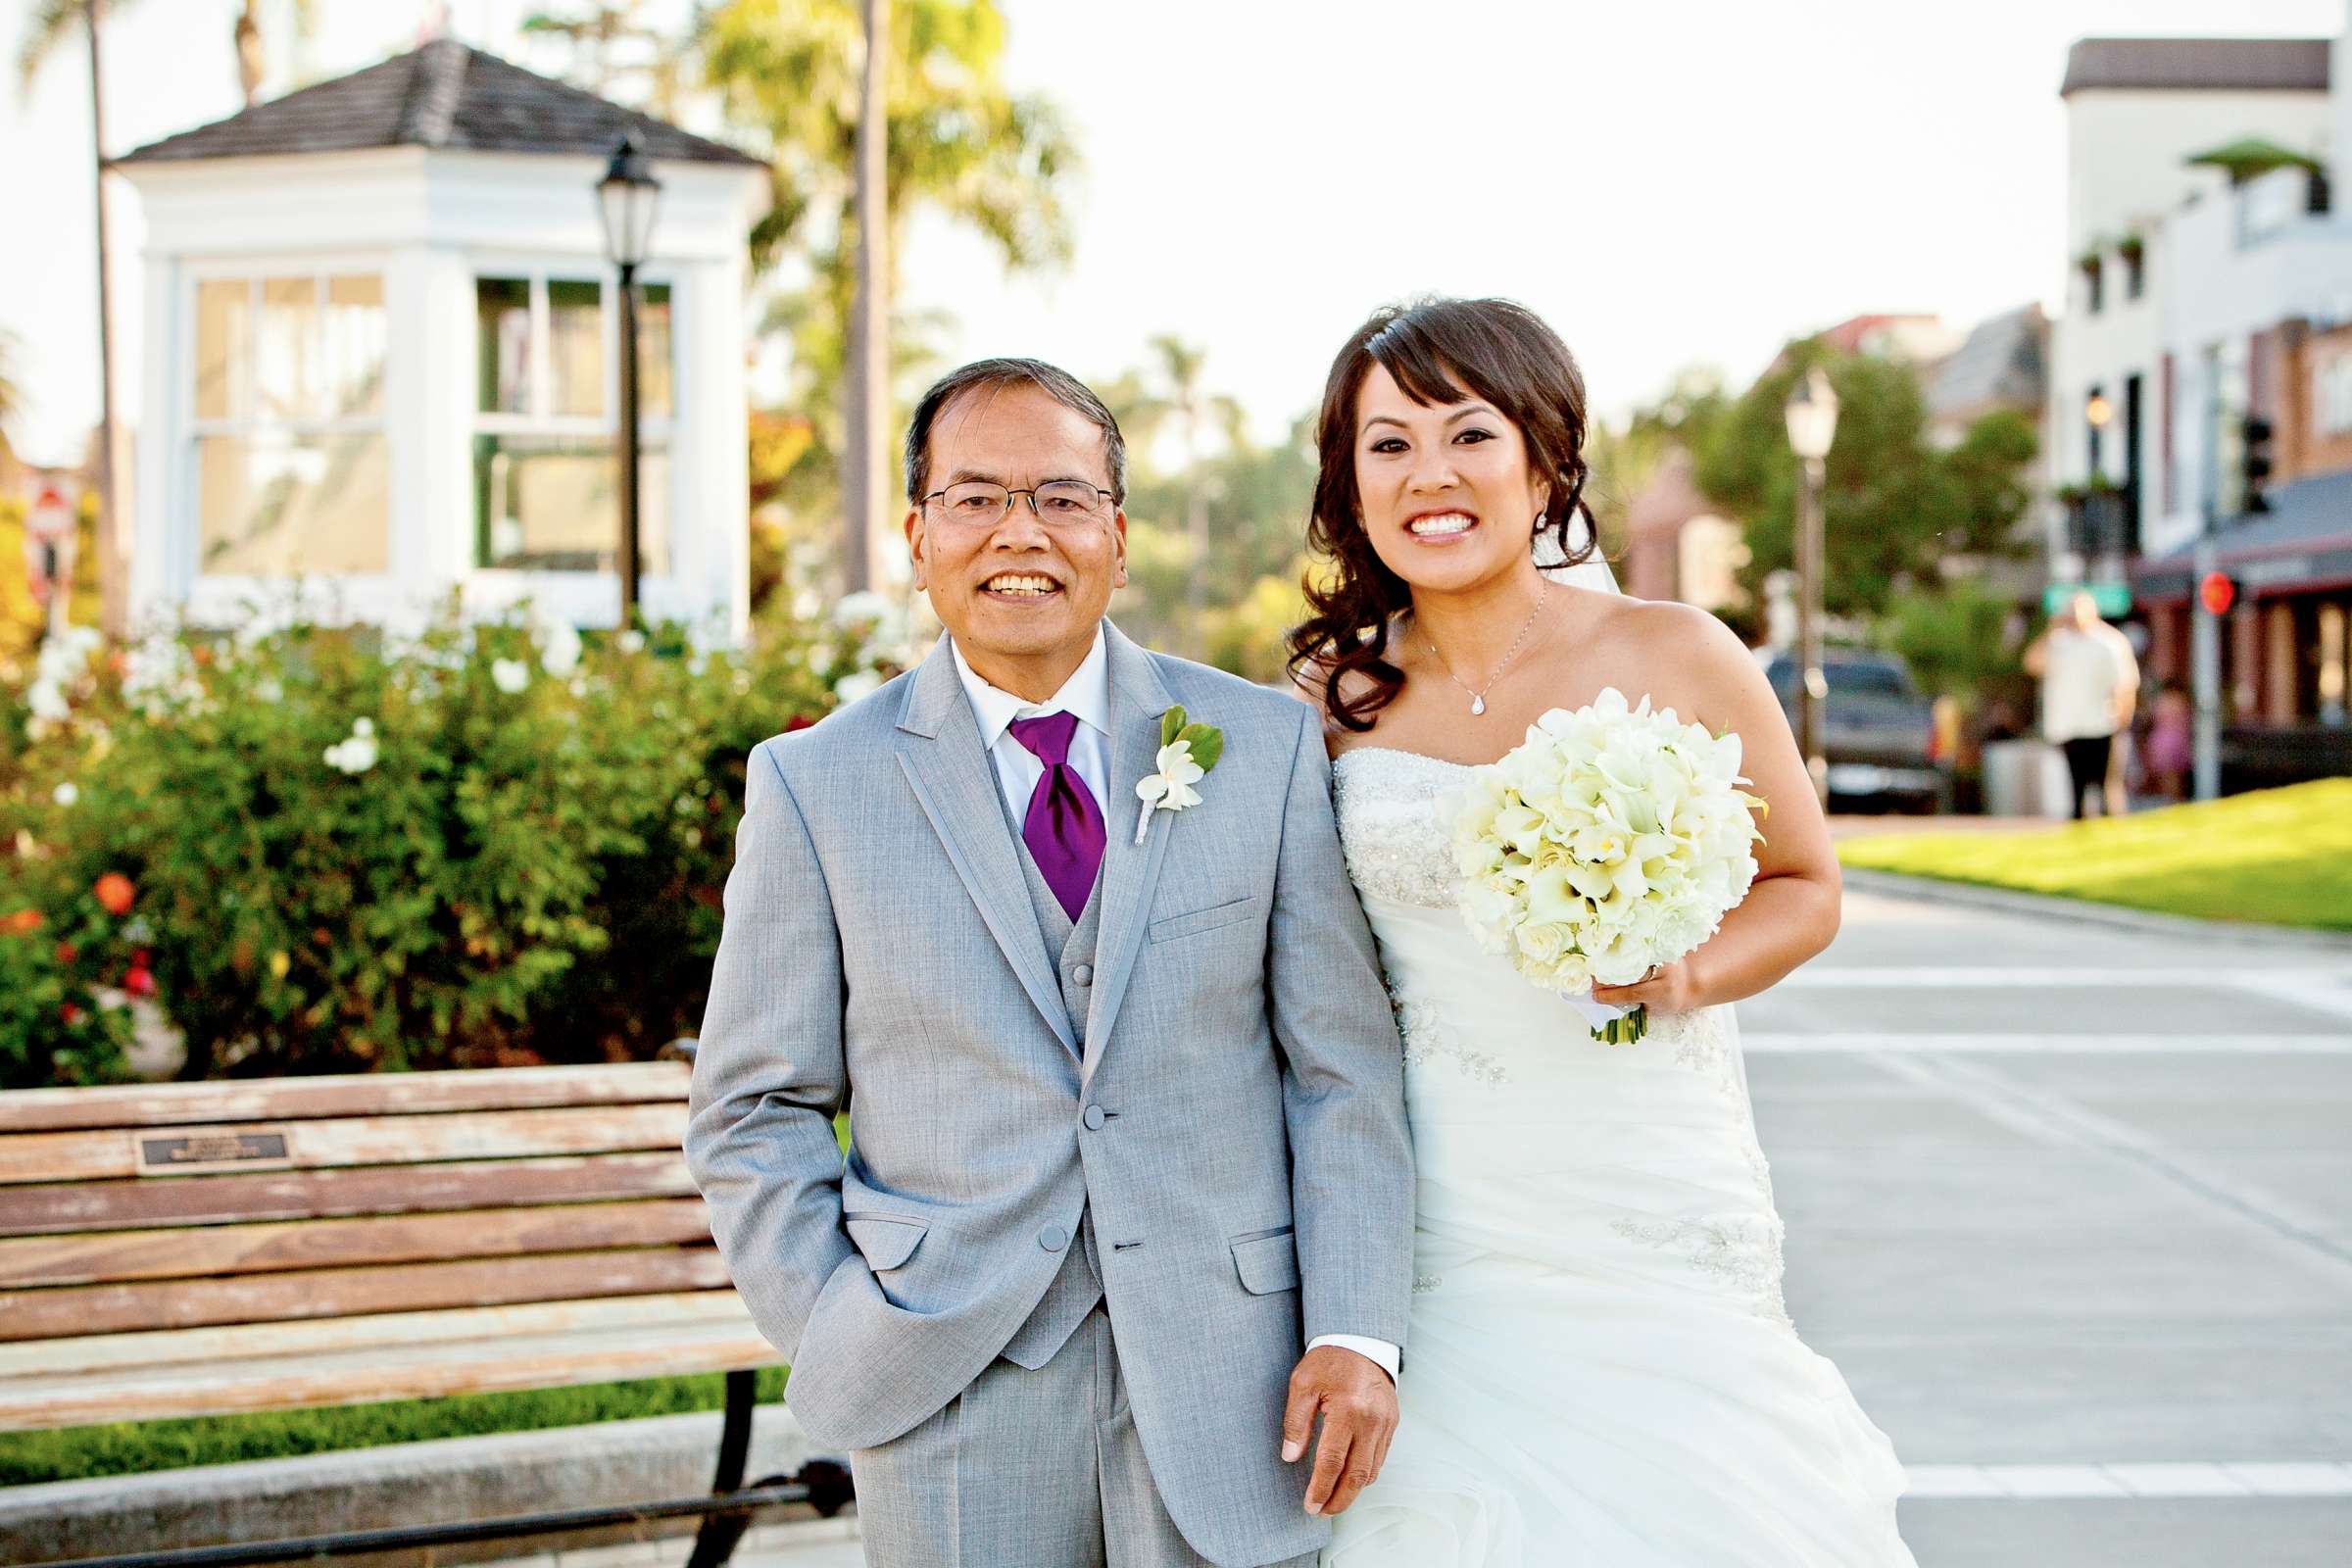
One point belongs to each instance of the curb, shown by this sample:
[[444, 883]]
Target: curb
[[2050, 906], [360, 1489]]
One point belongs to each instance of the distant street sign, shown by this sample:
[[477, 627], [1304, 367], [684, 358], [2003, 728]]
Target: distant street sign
[[2112, 598], [51, 516]]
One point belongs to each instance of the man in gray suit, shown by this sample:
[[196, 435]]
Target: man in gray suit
[[1127, 1126]]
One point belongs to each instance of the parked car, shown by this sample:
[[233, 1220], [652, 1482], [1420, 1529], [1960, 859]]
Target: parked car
[[1877, 733]]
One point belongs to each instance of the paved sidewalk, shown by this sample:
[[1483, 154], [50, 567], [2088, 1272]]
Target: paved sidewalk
[[2071, 1208]]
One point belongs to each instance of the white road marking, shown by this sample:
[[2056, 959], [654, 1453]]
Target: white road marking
[[2126, 1480], [1917, 1043], [2334, 986]]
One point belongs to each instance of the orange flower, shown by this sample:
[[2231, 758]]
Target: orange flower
[[115, 893], [22, 921]]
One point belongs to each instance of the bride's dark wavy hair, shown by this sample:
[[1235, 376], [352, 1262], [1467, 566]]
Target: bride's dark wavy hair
[[1505, 355]]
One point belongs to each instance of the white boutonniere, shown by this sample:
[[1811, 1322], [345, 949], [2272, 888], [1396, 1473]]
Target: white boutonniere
[[1186, 752]]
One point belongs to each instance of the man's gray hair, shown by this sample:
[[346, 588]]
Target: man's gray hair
[[1055, 382]]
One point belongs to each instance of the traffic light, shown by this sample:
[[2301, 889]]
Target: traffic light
[[2216, 591], [2254, 463]]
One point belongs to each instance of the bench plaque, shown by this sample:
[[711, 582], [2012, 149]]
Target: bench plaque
[[213, 1150]]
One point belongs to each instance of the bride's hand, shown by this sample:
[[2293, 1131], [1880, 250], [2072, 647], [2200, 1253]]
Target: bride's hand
[[1670, 987]]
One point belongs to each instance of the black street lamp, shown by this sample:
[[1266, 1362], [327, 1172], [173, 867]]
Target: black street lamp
[[628, 195], [1812, 413]]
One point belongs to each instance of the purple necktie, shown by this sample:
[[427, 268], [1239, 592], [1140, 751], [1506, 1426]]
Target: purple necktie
[[1065, 826]]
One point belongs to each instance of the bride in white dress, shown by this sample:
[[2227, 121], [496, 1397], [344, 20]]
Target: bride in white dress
[[1598, 1368]]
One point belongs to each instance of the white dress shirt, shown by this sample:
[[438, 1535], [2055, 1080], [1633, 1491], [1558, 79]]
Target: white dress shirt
[[1086, 694]]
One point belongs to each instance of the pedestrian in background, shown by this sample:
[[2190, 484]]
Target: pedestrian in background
[[2168, 744], [2090, 687]]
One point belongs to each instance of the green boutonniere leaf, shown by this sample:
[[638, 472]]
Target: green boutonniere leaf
[[1207, 741], [1171, 725]]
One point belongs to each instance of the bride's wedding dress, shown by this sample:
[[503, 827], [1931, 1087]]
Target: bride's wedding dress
[[1598, 1368]]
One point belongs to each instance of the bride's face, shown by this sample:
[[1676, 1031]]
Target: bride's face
[[1448, 497]]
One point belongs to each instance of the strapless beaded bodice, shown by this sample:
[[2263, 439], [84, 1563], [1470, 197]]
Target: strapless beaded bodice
[[1397, 822]]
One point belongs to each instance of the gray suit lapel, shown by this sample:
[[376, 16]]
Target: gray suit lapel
[[1129, 872], [953, 781]]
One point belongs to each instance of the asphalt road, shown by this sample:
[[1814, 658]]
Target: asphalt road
[[2071, 1208]]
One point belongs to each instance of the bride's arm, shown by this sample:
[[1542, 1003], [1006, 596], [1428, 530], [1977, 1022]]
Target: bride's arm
[[1791, 912]]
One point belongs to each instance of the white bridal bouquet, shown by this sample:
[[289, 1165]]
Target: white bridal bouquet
[[1614, 838]]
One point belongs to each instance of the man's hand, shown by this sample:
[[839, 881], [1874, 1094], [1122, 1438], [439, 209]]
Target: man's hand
[[1358, 1406]]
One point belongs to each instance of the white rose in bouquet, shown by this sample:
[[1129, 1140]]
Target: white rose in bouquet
[[1613, 839]]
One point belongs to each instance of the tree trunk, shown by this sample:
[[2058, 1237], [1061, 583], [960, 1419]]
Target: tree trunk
[[113, 588], [867, 381]]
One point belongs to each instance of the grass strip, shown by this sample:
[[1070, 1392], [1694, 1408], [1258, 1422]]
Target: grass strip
[[132, 1447], [2280, 856]]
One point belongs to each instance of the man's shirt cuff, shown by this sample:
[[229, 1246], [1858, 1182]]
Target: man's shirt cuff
[[1379, 1352]]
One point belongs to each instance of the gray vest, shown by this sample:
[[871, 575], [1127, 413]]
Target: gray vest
[[1079, 1285]]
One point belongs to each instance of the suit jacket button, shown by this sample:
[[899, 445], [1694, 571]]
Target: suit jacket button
[[1095, 1118], [1083, 975], [1053, 1237]]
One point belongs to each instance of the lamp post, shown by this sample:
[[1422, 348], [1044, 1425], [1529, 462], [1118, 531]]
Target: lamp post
[[627, 196], [1812, 413]]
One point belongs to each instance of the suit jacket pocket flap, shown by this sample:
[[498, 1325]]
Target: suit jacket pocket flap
[[886, 1240], [1185, 925], [1267, 1263]]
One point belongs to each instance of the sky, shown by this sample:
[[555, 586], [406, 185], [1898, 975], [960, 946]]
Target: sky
[[1671, 184]]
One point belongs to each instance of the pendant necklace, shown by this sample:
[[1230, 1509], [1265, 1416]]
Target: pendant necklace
[[1478, 698]]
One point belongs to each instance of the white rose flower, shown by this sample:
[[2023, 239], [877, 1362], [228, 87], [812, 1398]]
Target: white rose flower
[[510, 675], [631, 641], [66, 794]]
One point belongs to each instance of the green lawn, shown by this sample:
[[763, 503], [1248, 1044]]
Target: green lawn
[[2282, 856], [72, 1453]]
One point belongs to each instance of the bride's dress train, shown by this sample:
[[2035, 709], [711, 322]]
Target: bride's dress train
[[1598, 1367]]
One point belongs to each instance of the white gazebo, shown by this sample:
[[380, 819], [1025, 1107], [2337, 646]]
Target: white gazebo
[[382, 352]]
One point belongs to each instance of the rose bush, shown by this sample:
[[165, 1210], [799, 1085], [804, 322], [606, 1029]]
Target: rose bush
[[490, 843]]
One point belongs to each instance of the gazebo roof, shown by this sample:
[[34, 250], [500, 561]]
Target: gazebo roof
[[441, 94]]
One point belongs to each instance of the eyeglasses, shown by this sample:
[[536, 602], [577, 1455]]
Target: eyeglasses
[[1062, 500]]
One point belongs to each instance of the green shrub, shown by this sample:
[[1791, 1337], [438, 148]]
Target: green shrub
[[484, 846]]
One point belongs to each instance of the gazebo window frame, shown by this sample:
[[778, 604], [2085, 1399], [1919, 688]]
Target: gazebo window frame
[[660, 432], [256, 272]]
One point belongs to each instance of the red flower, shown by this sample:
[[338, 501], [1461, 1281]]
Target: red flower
[[22, 921], [800, 723], [115, 893], [67, 952], [72, 1015], [139, 980]]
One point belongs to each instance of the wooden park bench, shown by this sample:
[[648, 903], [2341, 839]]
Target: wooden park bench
[[180, 1250]]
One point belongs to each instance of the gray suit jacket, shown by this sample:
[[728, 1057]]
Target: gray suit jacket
[[1250, 1172]]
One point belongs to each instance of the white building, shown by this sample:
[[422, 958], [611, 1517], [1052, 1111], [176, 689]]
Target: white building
[[381, 354], [2137, 111]]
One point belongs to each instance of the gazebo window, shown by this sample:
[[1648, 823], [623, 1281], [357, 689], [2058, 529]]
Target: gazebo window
[[291, 475], [546, 463]]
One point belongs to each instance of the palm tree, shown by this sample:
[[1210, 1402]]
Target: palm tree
[[954, 142], [45, 33], [1170, 391], [604, 36]]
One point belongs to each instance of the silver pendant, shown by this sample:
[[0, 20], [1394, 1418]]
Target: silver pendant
[[1478, 702]]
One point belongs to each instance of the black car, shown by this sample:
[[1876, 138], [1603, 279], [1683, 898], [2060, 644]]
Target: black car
[[1878, 732]]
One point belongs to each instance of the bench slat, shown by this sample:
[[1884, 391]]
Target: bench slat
[[339, 1095], [99, 1353], [346, 1291], [101, 1154], [32, 1209], [278, 1245], [397, 1372]]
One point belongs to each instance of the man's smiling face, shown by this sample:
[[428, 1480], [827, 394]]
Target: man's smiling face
[[1021, 595]]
